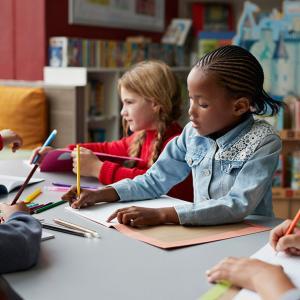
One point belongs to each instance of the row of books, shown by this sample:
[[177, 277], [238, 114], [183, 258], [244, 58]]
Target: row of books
[[77, 52], [96, 105]]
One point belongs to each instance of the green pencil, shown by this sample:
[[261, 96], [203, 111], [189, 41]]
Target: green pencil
[[49, 206]]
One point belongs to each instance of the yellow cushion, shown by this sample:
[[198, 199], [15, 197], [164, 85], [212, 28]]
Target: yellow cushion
[[24, 110]]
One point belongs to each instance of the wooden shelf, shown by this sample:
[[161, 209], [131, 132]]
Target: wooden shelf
[[290, 135], [286, 202], [280, 193]]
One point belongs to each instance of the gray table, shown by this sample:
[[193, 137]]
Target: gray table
[[116, 266]]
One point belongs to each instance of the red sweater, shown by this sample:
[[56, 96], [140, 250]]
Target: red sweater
[[1, 142], [113, 172]]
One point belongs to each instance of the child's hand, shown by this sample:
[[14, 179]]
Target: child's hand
[[289, 243], [41, 153], [90, 165], [87, 197], [141, 216], [7, 210], [11, 137], [268, 280]]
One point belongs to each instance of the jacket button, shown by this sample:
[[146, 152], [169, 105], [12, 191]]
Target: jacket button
[[206, 172], [190, 161]]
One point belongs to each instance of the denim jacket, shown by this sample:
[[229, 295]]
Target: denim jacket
[[232, 175]]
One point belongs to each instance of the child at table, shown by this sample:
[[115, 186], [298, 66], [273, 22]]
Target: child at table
[[231, 155], [20, 236], [268, 280], [151, 98], [8, 137]]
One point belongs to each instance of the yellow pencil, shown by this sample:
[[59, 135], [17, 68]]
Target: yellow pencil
[[78, 171], [33, 195]]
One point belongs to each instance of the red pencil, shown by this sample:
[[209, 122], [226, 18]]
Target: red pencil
[[24, 185], [294, 223]]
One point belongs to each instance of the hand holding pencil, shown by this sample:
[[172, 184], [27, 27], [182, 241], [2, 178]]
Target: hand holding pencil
[[281, 241]]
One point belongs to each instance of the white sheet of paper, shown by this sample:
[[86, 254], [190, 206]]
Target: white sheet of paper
[[46, 235], [100, 212], [291, 265]]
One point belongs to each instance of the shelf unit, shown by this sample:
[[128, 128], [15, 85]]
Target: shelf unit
[[286, 201], [110, 120]]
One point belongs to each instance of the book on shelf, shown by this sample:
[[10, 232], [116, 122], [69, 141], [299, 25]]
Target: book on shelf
[[279, 178], [212, 17], [60, 160], [177, 32], [96, 98], [10, 183], [209, 40]]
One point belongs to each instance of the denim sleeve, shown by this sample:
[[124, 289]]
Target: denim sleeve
[[170, 169], [250, 186], [20, 238]]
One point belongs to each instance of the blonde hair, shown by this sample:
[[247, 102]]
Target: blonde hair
[[153, 80]]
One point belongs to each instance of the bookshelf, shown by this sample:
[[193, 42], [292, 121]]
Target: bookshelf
[[107, 124], [286, 201]]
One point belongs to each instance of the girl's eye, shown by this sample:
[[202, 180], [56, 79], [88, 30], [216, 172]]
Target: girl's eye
[[203, 105]]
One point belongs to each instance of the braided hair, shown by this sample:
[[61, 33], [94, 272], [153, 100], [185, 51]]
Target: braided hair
[[242, 75], [153, 80]]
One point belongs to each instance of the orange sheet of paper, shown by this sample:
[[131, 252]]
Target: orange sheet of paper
[[173, 236]]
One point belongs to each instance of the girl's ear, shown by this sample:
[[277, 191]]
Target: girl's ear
[[156, 107], [241, 106]]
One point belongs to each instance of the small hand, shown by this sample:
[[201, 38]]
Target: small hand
[[11, 137], [41, 153], [140, 216], [90, 165], [87, 197], [240, 271], [7, 210], [288, 243], [268, 280]]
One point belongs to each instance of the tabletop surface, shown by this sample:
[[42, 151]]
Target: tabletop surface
[[115, 266]]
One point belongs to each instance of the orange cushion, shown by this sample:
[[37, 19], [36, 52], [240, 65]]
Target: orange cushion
[[24, 110]]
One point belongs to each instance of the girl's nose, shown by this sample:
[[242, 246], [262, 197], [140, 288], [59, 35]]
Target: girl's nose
[[122, 111], [192, 109]]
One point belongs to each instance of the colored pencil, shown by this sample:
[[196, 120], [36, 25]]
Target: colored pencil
[[48, 141], [33, 195], [24, 185], [35, 159], [65, 230], [78, 171], [76, 227], [49, 206], [294, 223]]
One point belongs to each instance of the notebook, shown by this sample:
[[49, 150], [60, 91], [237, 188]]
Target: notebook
[[9, 183], [59, 160]]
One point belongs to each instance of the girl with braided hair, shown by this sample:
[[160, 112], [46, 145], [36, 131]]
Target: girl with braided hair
[[231, 155], [151, 98]]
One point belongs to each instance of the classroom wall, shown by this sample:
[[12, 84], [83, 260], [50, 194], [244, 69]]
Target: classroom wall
[[25, 28]]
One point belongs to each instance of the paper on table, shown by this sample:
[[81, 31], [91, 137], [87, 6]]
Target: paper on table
[[46, 235], [290, 264], [100, 212]]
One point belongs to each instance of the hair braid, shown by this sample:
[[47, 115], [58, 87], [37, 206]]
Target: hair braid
[[242, 75]]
